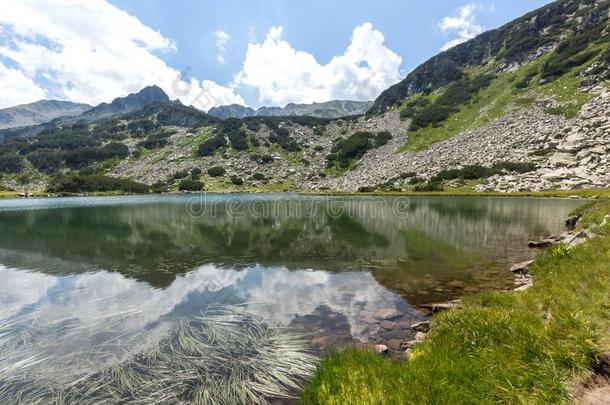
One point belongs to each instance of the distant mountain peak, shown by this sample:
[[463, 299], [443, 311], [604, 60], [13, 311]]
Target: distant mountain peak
[[129, 103], [39, 112], [328, 109]]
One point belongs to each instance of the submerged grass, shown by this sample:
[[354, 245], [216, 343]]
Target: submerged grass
[[522, 347], [223, 356]]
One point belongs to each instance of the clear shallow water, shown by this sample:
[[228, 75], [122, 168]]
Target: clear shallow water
[[89, 281]]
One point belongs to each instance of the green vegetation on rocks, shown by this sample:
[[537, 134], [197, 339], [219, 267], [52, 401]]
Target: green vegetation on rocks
[[347, 151], [88, 184], [190, 185]]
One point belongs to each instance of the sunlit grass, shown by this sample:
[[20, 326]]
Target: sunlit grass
[[495, 101]]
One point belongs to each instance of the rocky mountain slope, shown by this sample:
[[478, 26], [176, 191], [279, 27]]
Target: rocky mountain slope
[[120, 105], [329, 109], [39, 112], [524, 107], [503, 49]]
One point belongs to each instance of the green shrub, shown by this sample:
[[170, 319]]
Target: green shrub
[[237, 180], [210, 146], [196, 173], [85, 184], [46, 160], [415, 180], [474, 172], [216, 171], [190, 185], [429, 186], [258, 176], [11, 163], [382, 138], [282, 137], [426, 113], [153, 141], [366, 189], [517, 167], [344, 152], [141, 127], [407, 175], [568, 55], [159, 187], [180, 174]]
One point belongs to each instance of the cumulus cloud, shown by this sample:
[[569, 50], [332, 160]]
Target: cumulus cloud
[[222, 39], [281, 74], [463, 25], [71, 51], [17, 88]]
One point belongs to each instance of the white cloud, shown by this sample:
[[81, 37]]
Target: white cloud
[[87, 51], [464, 25], [222, 39], [282, 74], [17, 88]]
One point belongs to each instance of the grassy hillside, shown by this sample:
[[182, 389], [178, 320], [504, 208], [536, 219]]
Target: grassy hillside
[[521, 347], [517, 42], [525, 88]]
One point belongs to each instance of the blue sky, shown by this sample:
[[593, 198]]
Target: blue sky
[[209, 52], [320, 27]]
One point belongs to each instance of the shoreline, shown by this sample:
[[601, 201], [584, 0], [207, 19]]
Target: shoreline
[[574, 194], [525, 346]]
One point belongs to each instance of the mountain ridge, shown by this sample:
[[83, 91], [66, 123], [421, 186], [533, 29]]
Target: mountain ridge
[[39, 112], [525, 38], [534, 116], [328, 109], [118, 106]]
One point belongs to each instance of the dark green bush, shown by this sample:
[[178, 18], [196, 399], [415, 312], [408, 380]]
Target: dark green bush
[[424, 113], [11, 163], [429, 186], [190, 185], [237, 180], [196, 173], [159, 187], [382, 138], [518, 167], [282, 137], [350, 149], [258, 176], [46, 160], [86, 184], [216, 171], [474, 172], [366, 189], [141, 127], [180, 174], [569, 54], [415, 180], [210, 146], [153, 141]]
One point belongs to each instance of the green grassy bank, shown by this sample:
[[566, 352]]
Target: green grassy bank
[[533, 346]]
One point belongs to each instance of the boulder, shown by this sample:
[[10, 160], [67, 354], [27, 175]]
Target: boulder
[[423, 326], [540, 243], [521, 268], [562, 159], [571, 221]]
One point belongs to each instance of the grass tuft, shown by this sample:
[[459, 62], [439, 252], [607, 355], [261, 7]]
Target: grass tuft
[[223, 356]]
